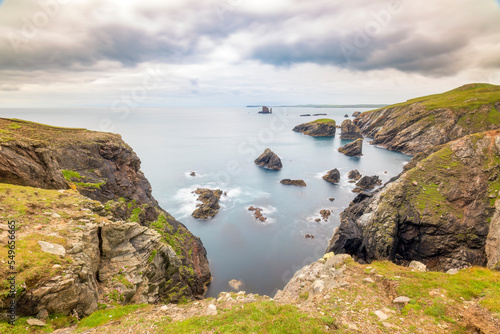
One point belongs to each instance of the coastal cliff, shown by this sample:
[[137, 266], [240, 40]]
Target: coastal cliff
[[443, 210], [84, 191], [419, 124]]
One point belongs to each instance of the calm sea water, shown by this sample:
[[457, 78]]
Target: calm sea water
[[220, 144]]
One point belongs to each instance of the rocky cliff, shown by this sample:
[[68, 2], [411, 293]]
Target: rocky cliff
[[323, 127], [443, 210], [162, 259], [419, 124]]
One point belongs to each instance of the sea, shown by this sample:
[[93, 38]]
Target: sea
[[220, 145]]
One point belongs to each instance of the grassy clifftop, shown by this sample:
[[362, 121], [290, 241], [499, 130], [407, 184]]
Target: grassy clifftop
[[418, 124]]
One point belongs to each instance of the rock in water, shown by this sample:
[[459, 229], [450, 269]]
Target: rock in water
[[209, 205], [349, 130], [269, 160], [353, 149], [356, 113], [354, 175], [324, 127], [258, 214], [367, 183], [299, 183], [332, 176], [235, 284]]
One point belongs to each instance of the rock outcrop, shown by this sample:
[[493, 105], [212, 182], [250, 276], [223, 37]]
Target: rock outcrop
[[332, 176], [442, 211], [324, 127], [356, 113], [352, 149], [100, 166], [349, 130], [270, 160], [209, 205], [367, 183], [300, 183], [421, 123], [354, 175]]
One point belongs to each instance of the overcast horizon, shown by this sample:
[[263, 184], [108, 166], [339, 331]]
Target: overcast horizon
[[112, 53]]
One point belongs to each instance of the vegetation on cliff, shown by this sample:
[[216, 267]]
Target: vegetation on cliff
[[421, 123]]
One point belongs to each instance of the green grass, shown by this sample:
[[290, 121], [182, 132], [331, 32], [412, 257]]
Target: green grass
[[21, 325], [102, 317], [69, 175], [262, 317], [324, 120], [469, 284]]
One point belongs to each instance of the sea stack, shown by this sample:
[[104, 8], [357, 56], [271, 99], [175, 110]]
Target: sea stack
[[323, 127], [332, 176], [209, 205], [300, 183], [270, 160], [349, 130], [353, 149]]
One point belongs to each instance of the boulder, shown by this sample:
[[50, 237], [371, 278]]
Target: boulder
[[418, 266], [354, 148], [36, 322], [354, 175], [299, 183], [209, 205], [52, 248], [270, 160], [349, 130], [367, 183], [332, 176], [324, 127]]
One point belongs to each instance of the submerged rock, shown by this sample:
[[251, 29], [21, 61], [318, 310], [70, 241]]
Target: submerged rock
[[235, 284], [257, 213], [332, 176], [324, 127], [269, 159], [353, 149], [299, 183], [209, 205], [349, 130]]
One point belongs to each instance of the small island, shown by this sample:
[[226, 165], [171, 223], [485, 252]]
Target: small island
[[323, 127], [209, 205], [266, 110]]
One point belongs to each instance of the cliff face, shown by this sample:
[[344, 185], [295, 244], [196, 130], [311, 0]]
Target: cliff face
[[100, 166], [422, 123], [443, 210]]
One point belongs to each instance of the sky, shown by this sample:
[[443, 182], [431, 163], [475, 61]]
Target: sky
[[111, 53]]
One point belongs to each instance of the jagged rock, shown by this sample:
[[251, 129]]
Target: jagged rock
[[325, 214], [52, 248], [367, 183], [43, 315], [269, 159], [356, 113], [346, 115], [353, 149], [419, 124], [349, 130], [209, 205], [447, 220], [332, 176], [299, 183], [324, 127], [418, 266], [258, 214], [211, 310], [354, 175]]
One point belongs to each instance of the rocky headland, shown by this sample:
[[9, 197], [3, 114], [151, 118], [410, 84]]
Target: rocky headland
[[324, 127], [442, 210], [353, 149], [209, 203], [82, 194], [270, 160], [419, 124]]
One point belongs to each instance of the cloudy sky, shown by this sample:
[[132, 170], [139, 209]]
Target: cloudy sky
[[63, 53]]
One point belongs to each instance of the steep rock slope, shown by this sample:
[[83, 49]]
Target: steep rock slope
[[443, 211], [101, 167], [418, 124]]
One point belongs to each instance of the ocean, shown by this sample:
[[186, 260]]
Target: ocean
[[219, 145]]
